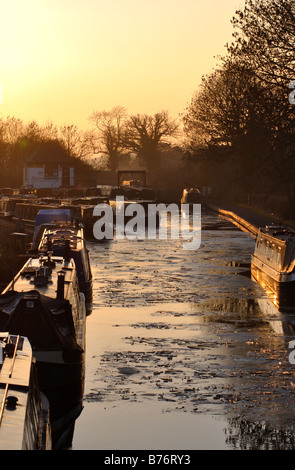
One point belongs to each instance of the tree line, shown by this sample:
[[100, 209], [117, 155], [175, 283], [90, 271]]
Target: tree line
[[18, 140], [241, 117], [112, 134]]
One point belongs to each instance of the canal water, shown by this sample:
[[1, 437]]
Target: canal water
[[184, 350]]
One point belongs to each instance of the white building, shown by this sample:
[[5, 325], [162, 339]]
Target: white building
[[49, 167]]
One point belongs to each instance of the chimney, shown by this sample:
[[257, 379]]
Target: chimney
[[60, 285]]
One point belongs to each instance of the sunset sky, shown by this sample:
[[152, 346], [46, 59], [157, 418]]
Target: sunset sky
[[60, 60]]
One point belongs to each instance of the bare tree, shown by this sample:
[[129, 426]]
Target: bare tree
[[109, 128], [234, 118], [74, 141], [265, 38], [144, 134], [229, 103]]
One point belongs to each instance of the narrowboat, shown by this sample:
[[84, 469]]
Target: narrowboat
[[191, 196], [273, 263], [28, 213], [88, 220], [122, 198], [83, 210], [24, 410], [68, 241], [86, 201], [48, 218], [7, 206], [44, 303]]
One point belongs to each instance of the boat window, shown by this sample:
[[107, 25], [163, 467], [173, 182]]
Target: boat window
[[279, 255], [259, 244], [270, 252]]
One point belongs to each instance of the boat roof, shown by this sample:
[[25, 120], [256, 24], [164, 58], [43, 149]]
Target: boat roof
[[277, 233], [192, 190], [15, 373], [277, 237], [58, 236], [52, 215], [19, 374], [24, 280]]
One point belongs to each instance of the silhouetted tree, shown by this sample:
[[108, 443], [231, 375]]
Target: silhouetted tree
[[230, 117], [144, 134], [264, 40], [264, 37], [75, 141], [241, 113], [107, 138]]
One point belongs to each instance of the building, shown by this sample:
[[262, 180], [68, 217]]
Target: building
[[49, 167]]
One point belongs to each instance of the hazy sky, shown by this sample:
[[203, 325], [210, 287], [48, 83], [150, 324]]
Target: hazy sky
[[60, 60]]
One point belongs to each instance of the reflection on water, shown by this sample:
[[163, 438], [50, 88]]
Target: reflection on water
[[249, 435], [185, 334], [145, 426]]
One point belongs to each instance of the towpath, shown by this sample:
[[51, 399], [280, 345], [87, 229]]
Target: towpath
[[245, 217]]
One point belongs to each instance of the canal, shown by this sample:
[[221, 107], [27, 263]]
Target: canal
[[184, 350]]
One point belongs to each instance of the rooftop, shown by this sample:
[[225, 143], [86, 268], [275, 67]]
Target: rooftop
[[50, 152]]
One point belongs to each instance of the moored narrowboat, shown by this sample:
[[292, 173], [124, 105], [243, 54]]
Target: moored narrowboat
[[273, 263], [49, 218], [43, 302], [28, 213], [7, 206], [191, 196], [24, 410], [68, 241], [124, 198]]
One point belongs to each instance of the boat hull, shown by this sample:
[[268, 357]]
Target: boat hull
[[63, 384], [281, 286]]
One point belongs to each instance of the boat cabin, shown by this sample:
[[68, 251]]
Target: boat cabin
[[273, 264], [275, 246]]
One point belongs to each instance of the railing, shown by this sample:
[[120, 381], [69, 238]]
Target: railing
[[10, 375]]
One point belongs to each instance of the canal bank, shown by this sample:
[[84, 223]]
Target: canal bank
[[246, 218]]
